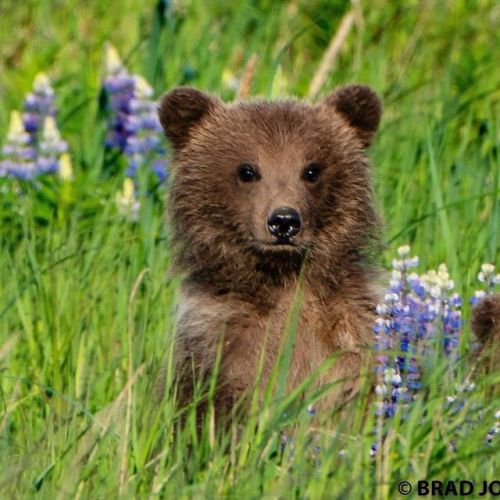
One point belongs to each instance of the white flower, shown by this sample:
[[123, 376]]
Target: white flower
[[470, 387], [388, 374], [391, 297], [398, 264], [396, 275], [16, 133], [434, 307], [443, 268], [142, 88], [429, 279], [65, 167], [380, 390], [41, 84], [112, 62], [435, 291], [488, 268], [382, 309], [412, 262], [403, 250], [465, 387], [443, 276], [127, 204], [394, 283], [487, 275], [51, 134]]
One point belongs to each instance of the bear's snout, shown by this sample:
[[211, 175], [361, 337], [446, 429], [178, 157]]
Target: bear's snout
[[284, 223]]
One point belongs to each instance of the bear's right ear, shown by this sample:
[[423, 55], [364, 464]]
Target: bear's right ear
[[180, 109]]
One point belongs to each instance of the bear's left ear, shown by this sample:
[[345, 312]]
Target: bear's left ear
[[181, 109], [360, 106]]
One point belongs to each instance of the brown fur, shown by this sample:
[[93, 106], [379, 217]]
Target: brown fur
[[239, 287], [486, 326]]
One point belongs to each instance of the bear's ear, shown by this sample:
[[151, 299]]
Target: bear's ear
[[360, 106], [180, 109]]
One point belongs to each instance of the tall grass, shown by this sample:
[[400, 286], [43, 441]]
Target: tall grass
[[86, 304]]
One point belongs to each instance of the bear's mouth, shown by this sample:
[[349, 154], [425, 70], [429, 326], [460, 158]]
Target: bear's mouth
[[279, 245], [284, 240]]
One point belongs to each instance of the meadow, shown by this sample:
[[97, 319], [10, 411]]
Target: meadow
[[87, 307]]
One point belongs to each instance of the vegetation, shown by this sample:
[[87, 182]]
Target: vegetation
[[87, 306]]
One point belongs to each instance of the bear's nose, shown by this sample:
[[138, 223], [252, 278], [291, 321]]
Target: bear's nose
[[284, 223]]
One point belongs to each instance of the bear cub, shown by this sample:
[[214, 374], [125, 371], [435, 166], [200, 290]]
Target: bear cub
[[268, 199]]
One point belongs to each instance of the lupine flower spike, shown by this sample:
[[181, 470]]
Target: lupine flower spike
[[120, 88], [134, 126], [397, 328], [419, 314], [145, 131], [38, 105], [50, 148], [18, 154], [34, 145]]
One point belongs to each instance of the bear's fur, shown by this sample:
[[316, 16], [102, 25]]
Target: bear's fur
[[486, 326], [240, 281]]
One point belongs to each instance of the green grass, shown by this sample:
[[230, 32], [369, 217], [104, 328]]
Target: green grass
[[87, 306]]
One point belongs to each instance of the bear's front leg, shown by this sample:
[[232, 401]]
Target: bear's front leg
[[218, 349]]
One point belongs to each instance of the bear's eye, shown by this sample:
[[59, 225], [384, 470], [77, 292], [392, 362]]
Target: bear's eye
[[247, 173], [311, 172]]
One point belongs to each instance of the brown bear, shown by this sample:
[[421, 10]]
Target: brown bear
[[271, 199]]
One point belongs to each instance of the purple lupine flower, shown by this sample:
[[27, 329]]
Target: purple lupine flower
[[397, 328], [144, 144], [495, 430], [416, 309], [22, 159], [120, 88], [18, 154], [38, 105], [34, 145], [134, 126], [419, 314], [160, 168], [119, 85]]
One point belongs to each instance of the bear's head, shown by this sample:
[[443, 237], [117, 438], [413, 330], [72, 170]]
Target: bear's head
[[261, 187]]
